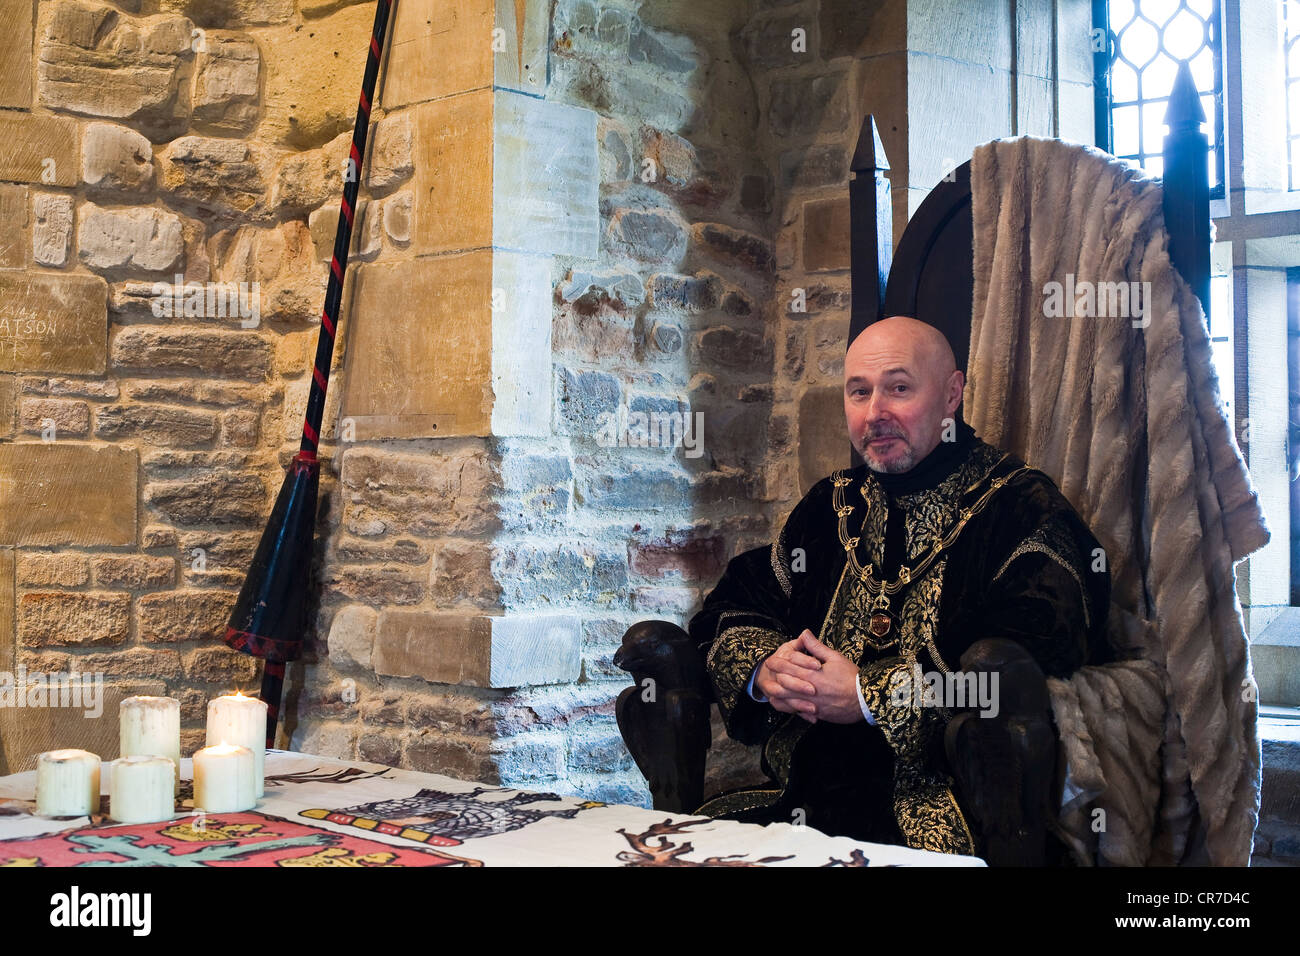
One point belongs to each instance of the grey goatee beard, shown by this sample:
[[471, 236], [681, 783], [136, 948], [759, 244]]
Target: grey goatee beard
[[895, 467]]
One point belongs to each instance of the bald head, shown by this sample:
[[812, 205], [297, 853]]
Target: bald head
[[901, 385]]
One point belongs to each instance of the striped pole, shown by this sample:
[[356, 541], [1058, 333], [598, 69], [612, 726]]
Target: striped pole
[[342, 239], [269, 617]]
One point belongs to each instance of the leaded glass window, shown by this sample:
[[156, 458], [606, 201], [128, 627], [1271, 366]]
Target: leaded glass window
[[1145, 42]]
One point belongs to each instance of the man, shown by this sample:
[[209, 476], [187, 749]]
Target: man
[[880, 579]]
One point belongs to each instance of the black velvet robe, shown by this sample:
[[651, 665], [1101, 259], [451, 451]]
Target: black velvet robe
[[1024, 567]]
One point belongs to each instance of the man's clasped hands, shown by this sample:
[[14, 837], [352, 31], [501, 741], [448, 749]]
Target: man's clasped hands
[[805, 677]]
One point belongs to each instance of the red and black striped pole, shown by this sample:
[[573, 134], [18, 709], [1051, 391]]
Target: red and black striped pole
[[269, 618]]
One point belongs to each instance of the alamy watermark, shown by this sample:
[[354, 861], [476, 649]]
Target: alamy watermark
[[624, 429], [956, 690], [208, 300], [1098, 300], [53, 689]]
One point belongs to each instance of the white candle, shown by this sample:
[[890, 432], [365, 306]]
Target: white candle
[[151, 727], [239, 720], [67, 783], [224, 779], [142, 790]]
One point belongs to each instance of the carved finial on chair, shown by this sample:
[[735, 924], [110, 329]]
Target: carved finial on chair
[[1184, 111], [871, 214], [1187, 186], [870, 152]]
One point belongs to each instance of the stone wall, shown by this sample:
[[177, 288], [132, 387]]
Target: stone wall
[[572, 215], [152, 160], [567, 528]]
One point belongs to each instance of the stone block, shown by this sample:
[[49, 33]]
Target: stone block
[[306, 180], [391, 159], [585, 401], [826, 234], [221, 665], [959, 104], [462, 574], [382, 749], [13, 238], [442, 49], [210, 497], [815, 166], [538, 575], [240, 429], [802, 106], [453, 173], [95, 62], [456, 755], [332, 52], [73, 618], [139, 240], [643, 226], [544, 169], [773, 42], [184, 351], [446, 648], [38, 149], [16, 54], [290, 283], [823, 435], [133, 572], [452, 494], [352, 637], [63, 493], [530, 649], [397, 217], [226, 83], [226, 177], [536, 759], [192, 614], [61, 570], [734, 246], [53, 323], [520, 59], [687, 556], [740, 349], [367, 584], [521, 344], [422, 372], [980, 34], [478, 651], [55, 417], [862, 29], [26, 732], [116, 158], [51, 229], [601, 489]]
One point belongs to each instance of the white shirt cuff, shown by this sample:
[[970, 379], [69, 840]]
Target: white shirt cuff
[[862, 702]]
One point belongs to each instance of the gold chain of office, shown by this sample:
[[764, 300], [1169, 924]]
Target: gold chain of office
[[880, 591]]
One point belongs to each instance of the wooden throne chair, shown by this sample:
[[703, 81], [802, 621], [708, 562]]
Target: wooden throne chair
[[928, 274]]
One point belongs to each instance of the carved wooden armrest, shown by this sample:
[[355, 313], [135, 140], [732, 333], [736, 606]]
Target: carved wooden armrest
[[664, 716]]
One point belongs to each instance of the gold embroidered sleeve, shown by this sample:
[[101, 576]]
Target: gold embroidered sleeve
[[925, 808], [730, 663], [887, 689]]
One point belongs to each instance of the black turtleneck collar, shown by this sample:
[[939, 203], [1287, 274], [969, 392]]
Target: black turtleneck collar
[[931, 470]]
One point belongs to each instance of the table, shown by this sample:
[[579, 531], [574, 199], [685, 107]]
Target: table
[[320, 811]]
